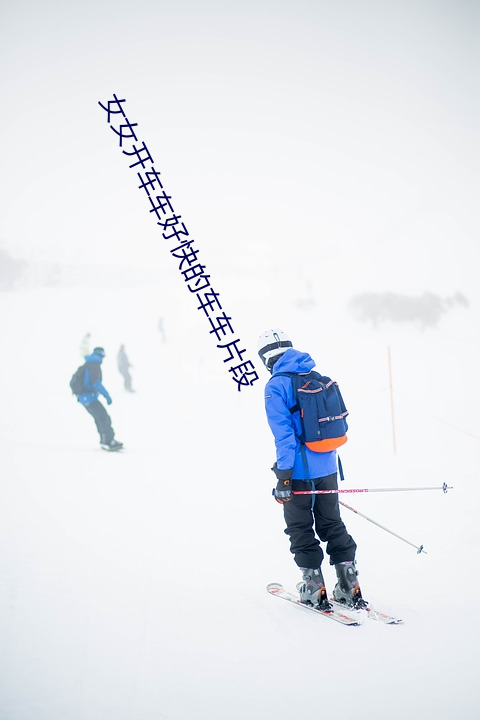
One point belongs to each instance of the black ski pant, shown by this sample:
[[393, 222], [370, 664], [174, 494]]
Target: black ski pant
[[309, 517], [102, 421]]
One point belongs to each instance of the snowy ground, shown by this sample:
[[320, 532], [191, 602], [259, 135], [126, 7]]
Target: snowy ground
[[133, 585]]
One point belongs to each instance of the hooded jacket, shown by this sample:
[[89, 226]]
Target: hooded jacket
[[93, 381], [286, 427]]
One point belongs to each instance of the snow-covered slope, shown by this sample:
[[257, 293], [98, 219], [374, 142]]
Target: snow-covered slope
[[133, 585]]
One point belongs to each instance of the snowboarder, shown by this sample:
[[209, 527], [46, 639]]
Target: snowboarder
[[308, 518], [88, 397], [123, 364]]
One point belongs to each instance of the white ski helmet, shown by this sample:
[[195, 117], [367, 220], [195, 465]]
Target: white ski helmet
[[272, 344]]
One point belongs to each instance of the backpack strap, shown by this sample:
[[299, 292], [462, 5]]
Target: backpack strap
[[305, 464]]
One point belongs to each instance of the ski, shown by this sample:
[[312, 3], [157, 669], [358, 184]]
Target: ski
[[371, 613], [336, 613]]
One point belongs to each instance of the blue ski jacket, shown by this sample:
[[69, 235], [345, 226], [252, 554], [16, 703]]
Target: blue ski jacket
[[285, 426], [93, 381]]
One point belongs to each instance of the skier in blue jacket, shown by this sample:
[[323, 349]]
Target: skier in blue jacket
[[93, 387], [308, 518]]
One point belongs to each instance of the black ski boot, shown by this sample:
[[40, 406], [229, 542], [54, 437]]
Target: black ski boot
[[312, 589], [347, 590]]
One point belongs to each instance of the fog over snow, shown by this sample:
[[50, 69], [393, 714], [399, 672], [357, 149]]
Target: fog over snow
[[317, 153]]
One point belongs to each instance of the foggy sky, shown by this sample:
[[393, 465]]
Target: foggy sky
[[348, 130]]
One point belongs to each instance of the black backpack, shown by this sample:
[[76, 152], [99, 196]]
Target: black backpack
[[78, 378]]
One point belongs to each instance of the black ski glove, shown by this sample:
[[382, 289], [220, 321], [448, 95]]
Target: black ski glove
[[283, 492]]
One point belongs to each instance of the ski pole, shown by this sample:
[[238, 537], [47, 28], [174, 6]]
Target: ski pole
[[419, 548], [443, 487]]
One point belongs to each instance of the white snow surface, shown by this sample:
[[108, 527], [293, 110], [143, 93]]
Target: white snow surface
[[133, 584]]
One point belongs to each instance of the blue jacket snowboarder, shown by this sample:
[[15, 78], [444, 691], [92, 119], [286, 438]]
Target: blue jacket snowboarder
[[309, 518], [88, 397]]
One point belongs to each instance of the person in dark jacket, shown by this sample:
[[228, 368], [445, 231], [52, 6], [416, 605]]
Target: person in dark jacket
[[309, 518], [124, 366], [93, 387]]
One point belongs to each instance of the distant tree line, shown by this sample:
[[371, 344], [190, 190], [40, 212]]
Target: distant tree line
[[426, 309]]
